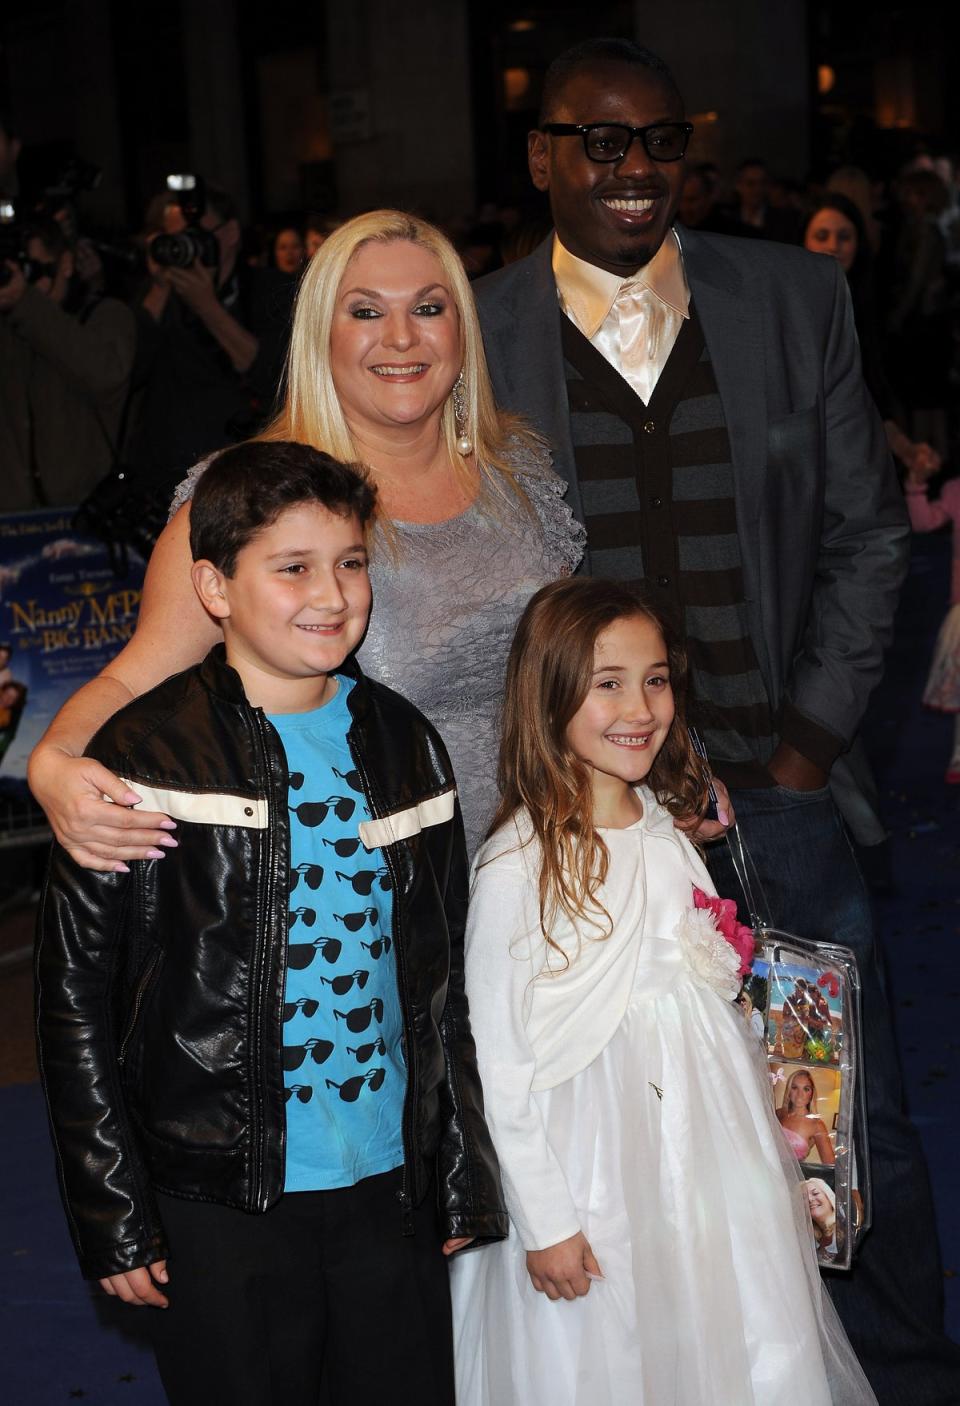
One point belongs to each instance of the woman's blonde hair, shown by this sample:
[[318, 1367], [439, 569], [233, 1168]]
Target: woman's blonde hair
[[788, 1091], [825, 1230], [311, 411], [549, 671]]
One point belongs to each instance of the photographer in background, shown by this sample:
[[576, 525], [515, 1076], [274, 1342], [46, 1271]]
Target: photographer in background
[[66, 357], [212, 345]]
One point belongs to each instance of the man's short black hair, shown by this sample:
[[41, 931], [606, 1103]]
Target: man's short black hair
[[246, 488], [594, 52]]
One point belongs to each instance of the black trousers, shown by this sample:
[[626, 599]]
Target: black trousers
[[318, 1302]]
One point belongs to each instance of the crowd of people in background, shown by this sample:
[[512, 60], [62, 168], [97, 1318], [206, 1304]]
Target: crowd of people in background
[[115, 359], [153, 365]]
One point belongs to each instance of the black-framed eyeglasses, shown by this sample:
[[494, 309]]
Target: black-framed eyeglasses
[[342, 984], [350, 1088], [362, 882], [318, 1050], [610, 141], [304, 1092]]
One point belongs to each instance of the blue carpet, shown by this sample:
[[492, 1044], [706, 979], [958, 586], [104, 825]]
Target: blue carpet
[[918, 909], [63, 1342]]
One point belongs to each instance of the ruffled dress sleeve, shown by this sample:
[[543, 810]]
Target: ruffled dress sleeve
[[185, 489], [565, 538]]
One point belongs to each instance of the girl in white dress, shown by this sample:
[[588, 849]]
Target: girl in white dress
[[661, 1251]]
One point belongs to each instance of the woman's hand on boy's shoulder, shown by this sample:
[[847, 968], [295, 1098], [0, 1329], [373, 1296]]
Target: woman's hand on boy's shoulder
[[139, 1286], [565, 1270]]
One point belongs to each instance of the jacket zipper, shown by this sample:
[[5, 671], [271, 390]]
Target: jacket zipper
[[138, 999], [404, 1195], [256, 1059]]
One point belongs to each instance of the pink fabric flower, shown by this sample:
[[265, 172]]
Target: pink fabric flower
[[724, 912]]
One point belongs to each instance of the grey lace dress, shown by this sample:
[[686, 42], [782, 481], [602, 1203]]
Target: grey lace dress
[[446, 601]]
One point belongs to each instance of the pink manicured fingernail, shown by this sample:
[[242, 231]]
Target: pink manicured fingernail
[[597, 1277], [168, 824], [131, 799], [168, 841], [154, 853], [723, 817], [120, 868]]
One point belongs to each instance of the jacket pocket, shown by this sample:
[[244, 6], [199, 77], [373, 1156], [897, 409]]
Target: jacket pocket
[[794, 440], [143, 988]]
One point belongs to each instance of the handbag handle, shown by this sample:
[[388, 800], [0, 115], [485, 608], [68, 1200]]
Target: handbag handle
[[749, 880]]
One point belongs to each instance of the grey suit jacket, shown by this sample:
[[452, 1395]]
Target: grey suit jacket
[[824, 537]]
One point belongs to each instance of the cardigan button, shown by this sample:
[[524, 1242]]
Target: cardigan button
[[248, 810], [649, 427], [663, 580]]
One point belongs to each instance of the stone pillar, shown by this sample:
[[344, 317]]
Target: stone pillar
[[400, 106], [214, 84], [743, 68]]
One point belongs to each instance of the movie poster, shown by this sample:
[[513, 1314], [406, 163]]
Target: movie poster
[[63, 615]]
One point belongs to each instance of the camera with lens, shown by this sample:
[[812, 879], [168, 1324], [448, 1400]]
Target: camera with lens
[[184, 248], [13, 243]]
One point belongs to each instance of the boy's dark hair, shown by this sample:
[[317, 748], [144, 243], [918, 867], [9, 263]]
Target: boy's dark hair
[[595, 52], [246, 488]]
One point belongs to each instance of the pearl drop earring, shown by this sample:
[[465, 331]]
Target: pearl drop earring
[[464, 442]]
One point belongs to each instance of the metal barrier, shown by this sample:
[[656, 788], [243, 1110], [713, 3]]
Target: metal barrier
[[22, 822]]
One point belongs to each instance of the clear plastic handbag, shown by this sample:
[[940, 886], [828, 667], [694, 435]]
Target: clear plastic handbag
[[802, 999]]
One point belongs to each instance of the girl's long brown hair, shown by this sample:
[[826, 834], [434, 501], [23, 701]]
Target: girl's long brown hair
[[548, 675]]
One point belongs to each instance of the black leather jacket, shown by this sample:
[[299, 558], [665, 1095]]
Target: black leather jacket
[[160, 992]]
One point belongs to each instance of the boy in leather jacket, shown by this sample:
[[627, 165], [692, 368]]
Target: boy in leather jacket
[[256, 1056]]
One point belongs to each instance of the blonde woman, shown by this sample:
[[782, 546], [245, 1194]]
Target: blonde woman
[[823, 1214], [386, 366], [802, 1125]]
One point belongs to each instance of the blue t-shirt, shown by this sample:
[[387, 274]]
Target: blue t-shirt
[[344, 1070]]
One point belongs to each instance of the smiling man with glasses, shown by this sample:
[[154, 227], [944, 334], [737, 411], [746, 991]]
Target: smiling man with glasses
[[702, 397]]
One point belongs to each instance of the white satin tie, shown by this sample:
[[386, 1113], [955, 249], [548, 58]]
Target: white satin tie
[[637, 336]]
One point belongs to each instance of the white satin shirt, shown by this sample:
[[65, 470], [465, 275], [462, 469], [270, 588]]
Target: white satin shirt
[[633, 322]]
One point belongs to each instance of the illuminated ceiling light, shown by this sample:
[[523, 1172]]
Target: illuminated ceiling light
[[522, 26], [826, 78], [516, 84]]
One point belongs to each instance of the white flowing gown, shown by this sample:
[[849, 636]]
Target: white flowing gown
[[661, 1145]]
